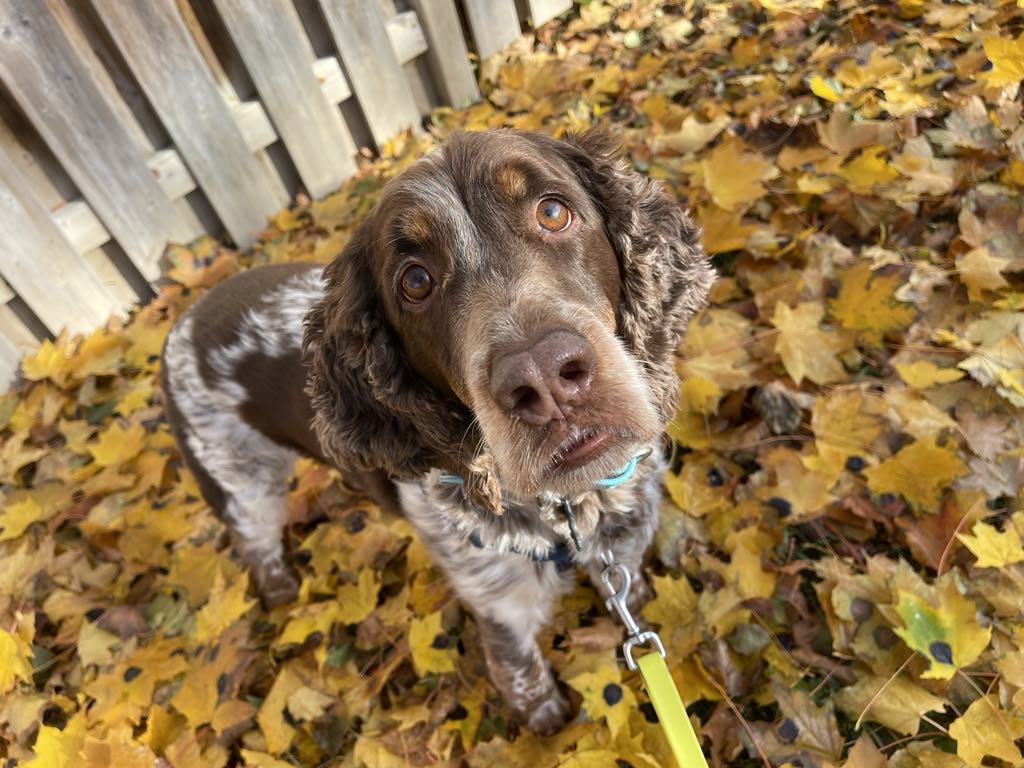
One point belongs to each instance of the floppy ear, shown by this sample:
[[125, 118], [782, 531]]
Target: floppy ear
[[371, 410], [665, 273]]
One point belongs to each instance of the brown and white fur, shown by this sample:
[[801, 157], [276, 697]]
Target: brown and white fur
[[351, 365]]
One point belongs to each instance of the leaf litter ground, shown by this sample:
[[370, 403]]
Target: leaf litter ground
[[839, 574]]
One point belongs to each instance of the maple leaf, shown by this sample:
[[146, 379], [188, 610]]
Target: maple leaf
[[919, 472], [868, 170], [985, 729], [992, 547], [922, 374], [605, 696], [224, 607], [733, 176], [805, 349], [947, 635], [16, 517], [866, 303], [897, 703], [117, 445], [429, 654], [15, 664], [1007, 57]]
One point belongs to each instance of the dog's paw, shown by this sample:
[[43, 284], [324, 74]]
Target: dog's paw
[[275, 583], [549, 716]]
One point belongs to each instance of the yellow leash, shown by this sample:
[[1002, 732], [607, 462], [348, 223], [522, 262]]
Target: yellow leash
[[659, 684]]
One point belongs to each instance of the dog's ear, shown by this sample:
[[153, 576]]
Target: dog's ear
[[371, 410], [665, 273]]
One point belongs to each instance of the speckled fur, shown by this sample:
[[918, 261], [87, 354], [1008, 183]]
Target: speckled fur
[[371, 411]]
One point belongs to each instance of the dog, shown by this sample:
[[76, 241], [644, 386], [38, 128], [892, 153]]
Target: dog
[[494, 349]]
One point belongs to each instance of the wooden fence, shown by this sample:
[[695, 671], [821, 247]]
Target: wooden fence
[[126, 125]]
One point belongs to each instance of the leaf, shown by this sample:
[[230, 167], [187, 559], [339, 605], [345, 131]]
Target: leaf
[[357, 601], [947, 635], [117, 445], [55, 748], [15, 660], [825, 88], [980, 270], [224, 607], [605, 696], [985, 730], [429, 646], [805, 349], [868, 170], [866, 303], [920, 472], [896, 703], [733, 177], [51, 361], [922, 374], [992, 547], [16, 517], [1007, 57]]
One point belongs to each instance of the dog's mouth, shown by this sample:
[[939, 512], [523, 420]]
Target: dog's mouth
[[582, 448]]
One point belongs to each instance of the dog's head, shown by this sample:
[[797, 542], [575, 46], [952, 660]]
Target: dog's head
[[511, 306]]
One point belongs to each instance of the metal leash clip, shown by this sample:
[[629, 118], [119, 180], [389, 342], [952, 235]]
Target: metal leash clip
[[617, 603]]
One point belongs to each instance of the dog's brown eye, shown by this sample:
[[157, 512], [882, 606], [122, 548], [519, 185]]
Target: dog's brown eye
[[416, 283], [552, 215]]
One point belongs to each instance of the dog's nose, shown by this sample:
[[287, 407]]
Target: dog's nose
[[545, 382]]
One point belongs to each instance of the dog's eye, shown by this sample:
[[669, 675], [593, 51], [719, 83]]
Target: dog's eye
[[552, 214], [416, 283]]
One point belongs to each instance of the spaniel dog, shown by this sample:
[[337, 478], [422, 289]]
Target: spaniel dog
[[495, 342]]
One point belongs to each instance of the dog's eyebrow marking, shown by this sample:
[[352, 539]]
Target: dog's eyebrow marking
[[511, 181], [416, 226]]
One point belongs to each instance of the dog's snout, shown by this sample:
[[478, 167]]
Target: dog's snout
[[545, 382]]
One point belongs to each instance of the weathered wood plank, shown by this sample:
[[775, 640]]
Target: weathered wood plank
[[494, 24], [333, 84], [447, 54], [41, 266], [52, 73], [542, 11], [279, 58], [171, 174], [169, 66], [374, 72], [406, 35], [80, 226]]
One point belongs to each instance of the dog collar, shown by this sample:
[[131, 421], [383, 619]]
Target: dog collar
[[615, 479], [560, 554]]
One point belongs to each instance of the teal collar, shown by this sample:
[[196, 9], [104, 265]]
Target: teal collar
[[614, 480]]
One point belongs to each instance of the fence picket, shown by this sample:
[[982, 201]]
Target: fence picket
[[171, 69], [60, 288], [446, 51], [62, 88], [280, 59], [372, 67], [542, 11], [494, 23]]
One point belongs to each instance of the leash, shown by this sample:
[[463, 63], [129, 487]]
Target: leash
[[660, 687], [682, 739]]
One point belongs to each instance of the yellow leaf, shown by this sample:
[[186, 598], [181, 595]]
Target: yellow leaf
[[15, 660], [984, 730], [357, 601], [733, 176], [253, 759], [308, 703], [55, 748], [429, 655], [605, 696], [117, 445], [919, 472], [95, 645], [864, 754], [806, 492], [896, 703], [980, 270], [922, 374], [223, 607], [276, 730], [947, 635], [1007, 57], [866, 303], [805, 349], [117, 748], [51, 361], [17, 516], [868, 169], [723, 230], [98, 354], [825, 88], [992, 547]]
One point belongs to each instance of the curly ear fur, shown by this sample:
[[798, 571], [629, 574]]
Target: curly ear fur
[[371, 410], [666, 275]]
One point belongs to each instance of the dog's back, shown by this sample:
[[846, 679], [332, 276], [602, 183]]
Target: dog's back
[[234, 385]]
